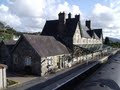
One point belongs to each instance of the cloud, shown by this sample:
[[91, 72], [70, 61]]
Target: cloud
[[3, 8], [30, 15], [8, 18], [107, 18]]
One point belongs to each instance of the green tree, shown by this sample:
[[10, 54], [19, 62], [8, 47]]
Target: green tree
[[107, 41]]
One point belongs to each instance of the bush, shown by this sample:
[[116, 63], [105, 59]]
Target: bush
[[11, 82]]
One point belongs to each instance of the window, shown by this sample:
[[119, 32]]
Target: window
[[84, 41], [28, 61], [49, 60], [15, 59], [89, 41]]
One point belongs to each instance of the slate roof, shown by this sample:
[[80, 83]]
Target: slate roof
[[90, 32], [46, 45], [95, 35], [50, 28], [71, 25], [84, 32], [98, 32], [10, 42]]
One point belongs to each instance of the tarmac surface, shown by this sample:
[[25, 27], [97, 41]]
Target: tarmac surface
[[106, 78], [50, 82]]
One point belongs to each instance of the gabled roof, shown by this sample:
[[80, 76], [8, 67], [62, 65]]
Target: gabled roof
[[46, 45], [71, 25], [95, 33], [98, 32], [50, 28], [84, 32], [95, 36], [10, 42], [90, 32]]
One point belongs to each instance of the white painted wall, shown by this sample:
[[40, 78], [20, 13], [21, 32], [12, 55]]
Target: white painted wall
[[78, 39], [77, 36], [3, 81]]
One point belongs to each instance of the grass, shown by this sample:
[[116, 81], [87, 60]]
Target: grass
[[11, 82]]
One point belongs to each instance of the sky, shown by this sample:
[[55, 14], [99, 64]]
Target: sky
[[31, 15]]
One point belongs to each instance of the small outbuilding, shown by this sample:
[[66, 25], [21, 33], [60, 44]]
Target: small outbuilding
[[4, 54], [35, 54]]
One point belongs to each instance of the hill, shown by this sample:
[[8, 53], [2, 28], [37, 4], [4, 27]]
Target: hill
[[114, 39], [7, 32]]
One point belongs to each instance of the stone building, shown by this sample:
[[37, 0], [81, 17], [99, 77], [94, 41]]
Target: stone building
[[10, 45], [4, 54], [83, 41], [3, 81], [39, 55], [70, 31]]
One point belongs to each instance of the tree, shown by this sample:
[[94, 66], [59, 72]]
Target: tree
[[107, 41]]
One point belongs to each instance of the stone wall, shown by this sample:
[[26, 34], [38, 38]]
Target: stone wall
[[52, 64], [4, 54], [39, 65], [23, 50]]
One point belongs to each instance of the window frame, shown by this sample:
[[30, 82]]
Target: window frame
[[27, 61], [50, 61]]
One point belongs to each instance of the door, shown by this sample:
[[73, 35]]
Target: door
[[28, 63]]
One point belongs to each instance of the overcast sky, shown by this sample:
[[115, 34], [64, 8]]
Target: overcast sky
[[30, 15]]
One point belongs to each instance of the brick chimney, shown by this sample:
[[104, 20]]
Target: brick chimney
[[61, 25], [77, 17], [88, 24]]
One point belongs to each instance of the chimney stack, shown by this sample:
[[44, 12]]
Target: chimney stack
[[69, 16], [88, 24], [61, 17], [77, 17], [61, 25]]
